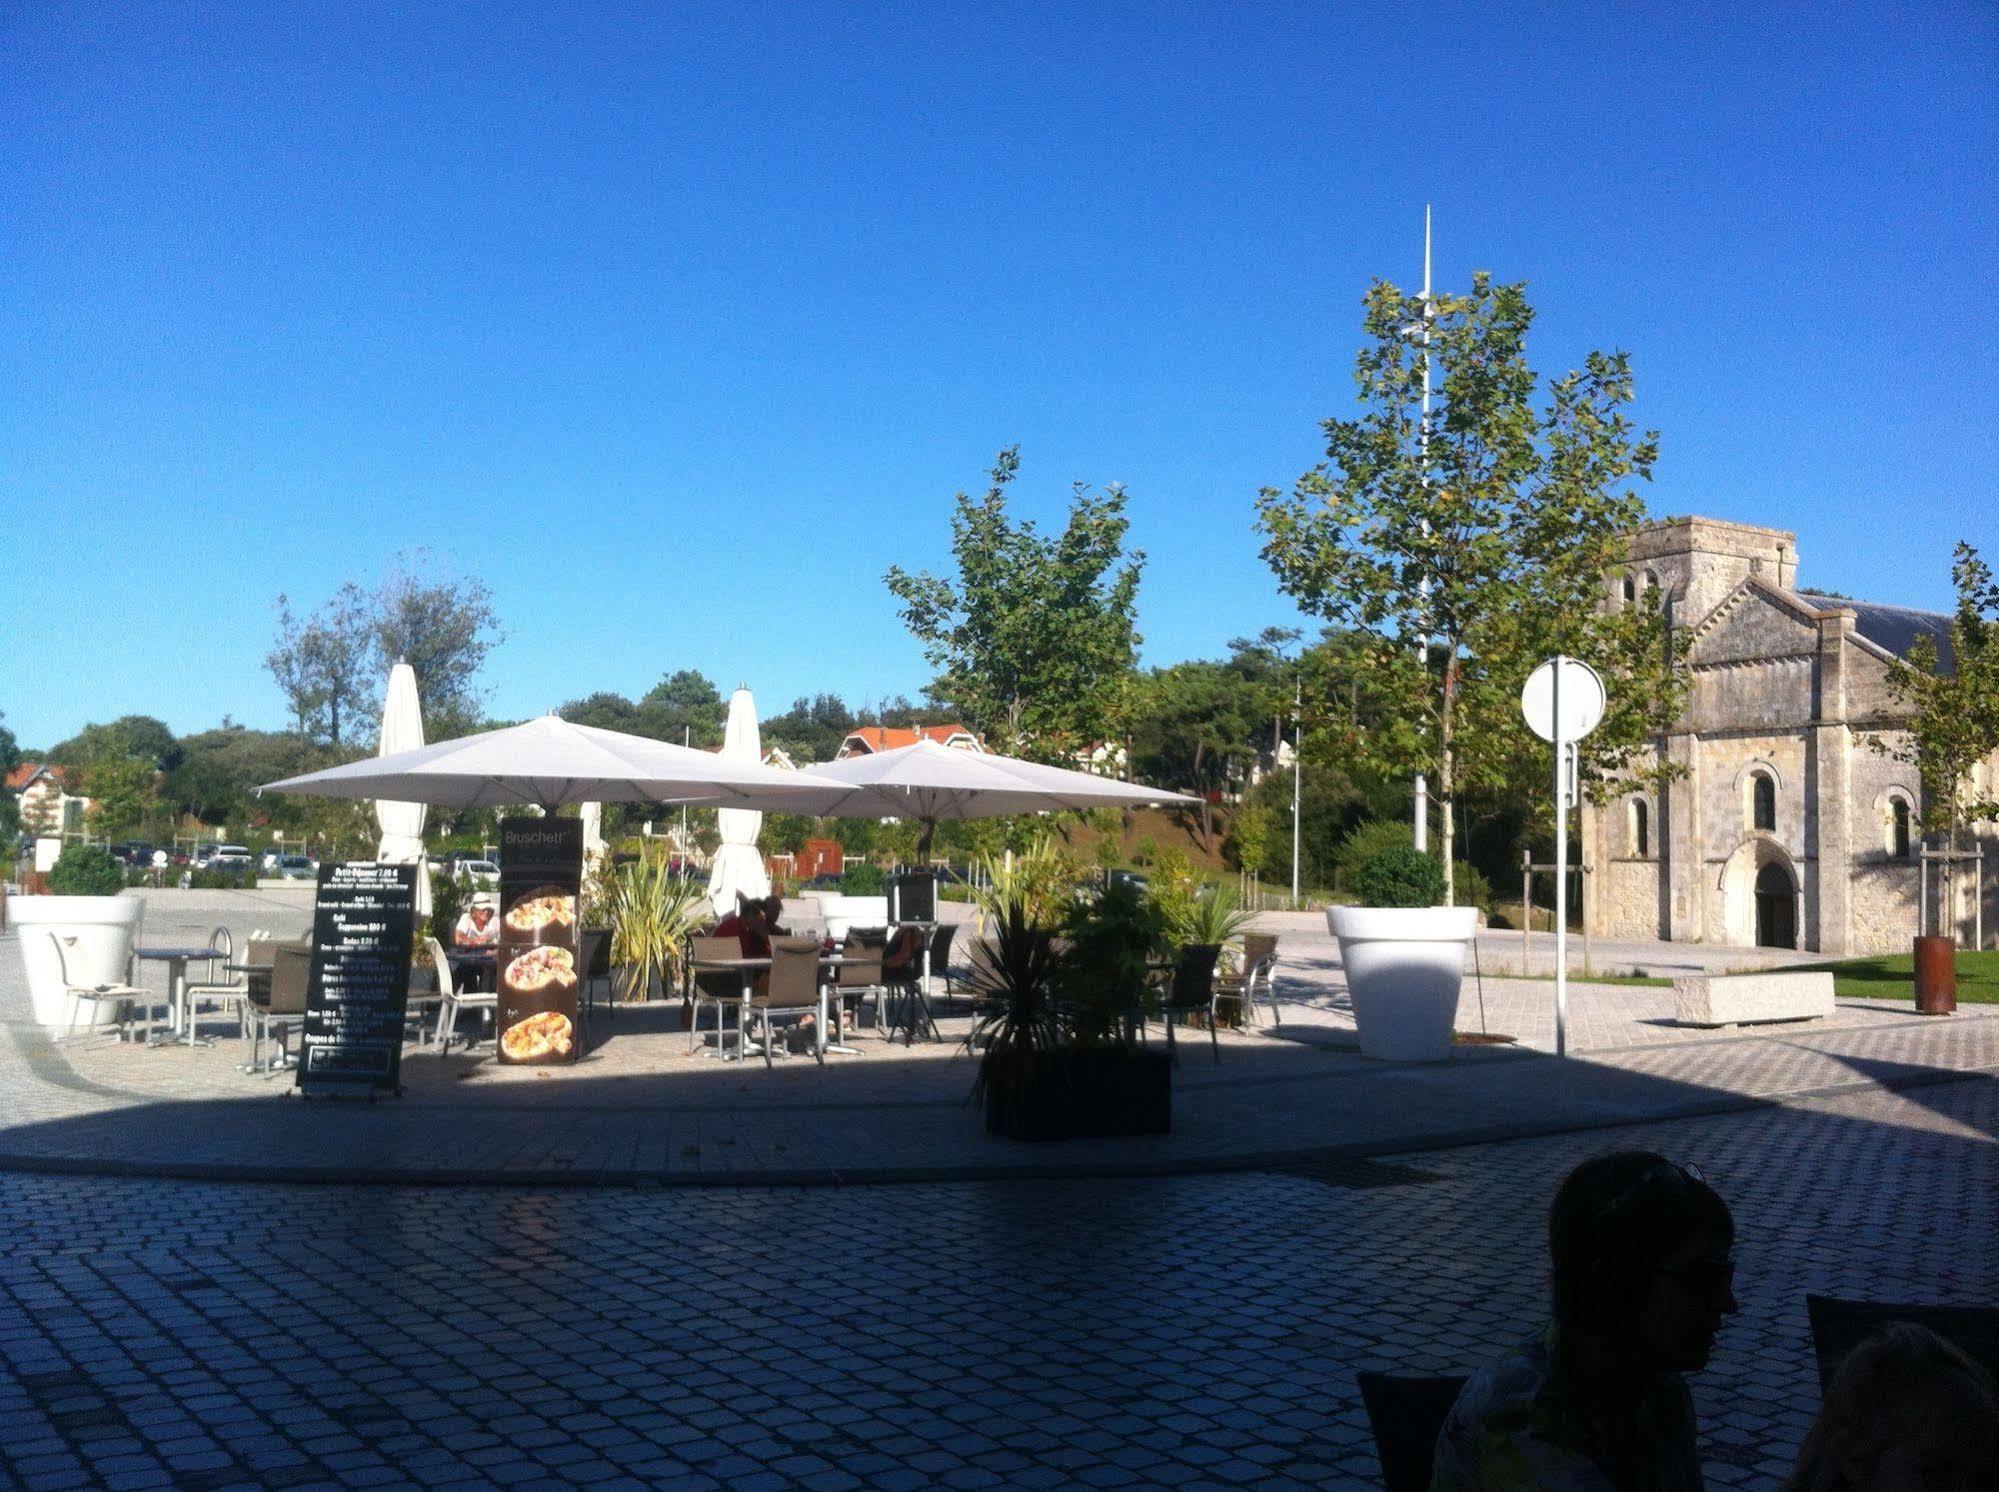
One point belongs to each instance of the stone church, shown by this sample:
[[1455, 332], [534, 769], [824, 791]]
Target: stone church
[[1785, 828]]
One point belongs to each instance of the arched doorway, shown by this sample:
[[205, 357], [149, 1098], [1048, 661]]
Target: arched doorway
[[1776, 907]]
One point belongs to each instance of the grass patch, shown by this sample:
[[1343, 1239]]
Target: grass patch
[[1892, 976]]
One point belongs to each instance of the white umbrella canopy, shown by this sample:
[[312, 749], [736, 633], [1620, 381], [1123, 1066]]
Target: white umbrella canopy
[[932, 781], [738, 869], [402, 823], [550, 762]]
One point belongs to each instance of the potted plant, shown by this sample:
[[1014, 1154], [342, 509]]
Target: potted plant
[[651, 913], [1055, 1063], [88, 908], [1210, 915], [1404, 956]]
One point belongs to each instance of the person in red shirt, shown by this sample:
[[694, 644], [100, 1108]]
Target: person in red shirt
[[749, 927]]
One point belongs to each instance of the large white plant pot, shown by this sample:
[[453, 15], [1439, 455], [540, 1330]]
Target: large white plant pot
[[1403, 967], [97, 934], [844, 912]]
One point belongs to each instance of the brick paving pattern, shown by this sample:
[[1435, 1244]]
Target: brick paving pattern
[[1197, 1331]]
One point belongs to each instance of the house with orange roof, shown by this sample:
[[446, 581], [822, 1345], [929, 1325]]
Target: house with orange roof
[[866, 740], [51, 797]]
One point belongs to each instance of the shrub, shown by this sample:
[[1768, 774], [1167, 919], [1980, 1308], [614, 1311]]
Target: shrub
[[1470, 888], [86, 870], [863, 880], [1399, 876], [1367, 840]]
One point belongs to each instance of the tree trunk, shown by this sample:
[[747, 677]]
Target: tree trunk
[[1447, 781]]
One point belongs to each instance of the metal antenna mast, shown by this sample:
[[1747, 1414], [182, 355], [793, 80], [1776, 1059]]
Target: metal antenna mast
[[1423, 459]]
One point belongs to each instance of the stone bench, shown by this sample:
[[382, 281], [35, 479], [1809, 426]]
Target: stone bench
[[1742, 999]]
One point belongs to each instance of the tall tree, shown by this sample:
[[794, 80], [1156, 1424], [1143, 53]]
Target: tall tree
[[686, 705], [1462, 549], [324, 664], [10, 749], [812, 729], [128, 738], [443, 629], [1953, 713], [1035, 639]]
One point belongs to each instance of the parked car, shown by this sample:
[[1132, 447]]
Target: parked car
[[230, 857], [203, 854], [267, 862], [134, 852], [297, 867], [480, 872]]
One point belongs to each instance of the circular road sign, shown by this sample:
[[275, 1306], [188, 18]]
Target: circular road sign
[[1582, 700]]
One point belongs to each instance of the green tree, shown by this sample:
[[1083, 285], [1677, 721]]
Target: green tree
[[1953, 712], [129, 737], [812, 729], [10, 749], [443, 629], [684, 703], [1035, 639], [1248, 840], [122, 793], [1461, 550], [324, 664]]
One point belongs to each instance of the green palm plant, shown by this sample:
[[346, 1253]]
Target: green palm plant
[[652, 913], [1212, 914], [1019, 982]]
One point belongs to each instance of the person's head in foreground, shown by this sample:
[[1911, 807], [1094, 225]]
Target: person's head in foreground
[[1642, 1273], [773, 909], [1906, 1412], [1642, 1279]]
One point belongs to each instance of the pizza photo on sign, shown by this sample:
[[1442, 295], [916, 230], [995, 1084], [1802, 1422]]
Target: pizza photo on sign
[[547, 1033], [546, 914], [543, 971]]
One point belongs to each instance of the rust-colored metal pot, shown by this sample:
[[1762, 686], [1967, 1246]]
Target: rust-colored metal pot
[[1936, 976]]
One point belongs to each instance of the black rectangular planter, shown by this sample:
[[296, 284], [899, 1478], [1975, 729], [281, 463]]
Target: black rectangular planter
[[1078, 1093]]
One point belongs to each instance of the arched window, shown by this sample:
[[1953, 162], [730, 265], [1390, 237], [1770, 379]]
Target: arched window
[[1641, 828], [1630, 590], [1898, 828], [1763, 801]]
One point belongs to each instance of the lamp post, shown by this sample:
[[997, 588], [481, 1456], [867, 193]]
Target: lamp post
[[1422, 805], [1297, 769]]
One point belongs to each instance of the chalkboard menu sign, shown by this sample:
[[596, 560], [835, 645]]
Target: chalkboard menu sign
[[357, 993], [541, 879]]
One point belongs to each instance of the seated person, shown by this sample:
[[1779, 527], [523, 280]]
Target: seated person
[[773, 906], [1905, 1410], [1642, 1283], [477, 927], [747, 926], [902, 959]]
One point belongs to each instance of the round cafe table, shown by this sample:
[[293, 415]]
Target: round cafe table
[[179, 1018], [750, 967]]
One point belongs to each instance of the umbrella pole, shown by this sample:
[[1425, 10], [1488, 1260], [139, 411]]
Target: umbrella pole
[[923, 844]]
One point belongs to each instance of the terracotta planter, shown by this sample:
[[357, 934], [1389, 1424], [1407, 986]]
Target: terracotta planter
[[1936, 976]]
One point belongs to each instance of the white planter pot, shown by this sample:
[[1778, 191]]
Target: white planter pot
[[1403, 967], [97, 934], [845, 912]]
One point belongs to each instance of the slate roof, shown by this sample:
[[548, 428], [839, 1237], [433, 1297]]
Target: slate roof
[[1894, 627]]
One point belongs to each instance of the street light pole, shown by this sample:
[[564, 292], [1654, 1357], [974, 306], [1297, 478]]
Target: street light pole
[[1297, 768], [1423, 460]]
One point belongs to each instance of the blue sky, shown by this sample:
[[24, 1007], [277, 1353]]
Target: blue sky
[[678, 325]]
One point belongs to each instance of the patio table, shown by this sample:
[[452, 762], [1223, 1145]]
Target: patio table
[[178, 1017], [477, 961], [749, 966]]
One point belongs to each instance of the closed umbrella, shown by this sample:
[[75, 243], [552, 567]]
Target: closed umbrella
[[402, 822], [738, 869]]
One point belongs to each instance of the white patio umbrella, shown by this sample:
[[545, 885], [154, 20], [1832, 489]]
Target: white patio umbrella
[[402, 822], [592, 815], [929, 782], [551, 761], [738, 869]]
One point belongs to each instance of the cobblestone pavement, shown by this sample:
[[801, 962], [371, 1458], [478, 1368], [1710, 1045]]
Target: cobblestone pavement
[[1191, 1331]]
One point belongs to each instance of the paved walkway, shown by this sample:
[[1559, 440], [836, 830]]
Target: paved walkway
[[639, 1109], [1197, 1332]]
